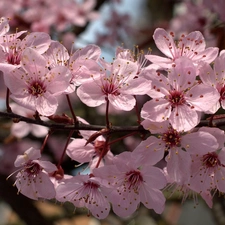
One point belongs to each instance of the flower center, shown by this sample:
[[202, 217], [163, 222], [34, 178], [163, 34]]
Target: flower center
[[32, 169], [211, 160], [176, 98], [90, 187], [110, 88], [171, 138], [133, 179], [36, 88], [222, 93], [14, 58]]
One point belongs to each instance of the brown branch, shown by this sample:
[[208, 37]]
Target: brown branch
[[75, 127], [81, 126]]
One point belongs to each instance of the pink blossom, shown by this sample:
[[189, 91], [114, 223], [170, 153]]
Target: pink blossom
[[80, 152], [132, 182], [33, 180], [136, 57], [13, 47], [36, 87], [178, 97], [117, 84], [85, 191], [208, 167], [192, 46], [82, 63], [215, 78], [179, 146], [208, 171]]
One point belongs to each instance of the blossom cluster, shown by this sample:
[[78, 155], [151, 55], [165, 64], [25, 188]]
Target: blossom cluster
[[46, 15], [182, 87]]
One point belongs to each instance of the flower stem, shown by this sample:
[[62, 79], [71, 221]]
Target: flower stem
[[45, 141], [71, 109], [137, 111], [8, 108], [104, 151], [121, 138], [107, 113], [64, 150]]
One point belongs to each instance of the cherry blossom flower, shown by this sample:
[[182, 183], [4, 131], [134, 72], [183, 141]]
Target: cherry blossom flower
[[208, 167], [137, 57], [12, 48], [191, 46], [82, 63], [32, 179], [215, 78], [208, 172], [36, 87], [85, 191], [176, 145], [178, 97], [117, 85], [132, 182], [81, 152]]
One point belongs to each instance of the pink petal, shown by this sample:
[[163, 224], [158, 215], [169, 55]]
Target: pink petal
[[149, 151], [152, 199], [89, 52], [123, 68], [153, 177], [57, 80], [199, 142], [160, 61], [156, 110], [91, 94], [39, 41], [46, 165], [44, 187], [220, 179], [207, 75], [47, 104], [30, 154], [78, 151], [178, 165], [33, 63], [208, 55], [202, 97], [183, 75], [164, 42], [122, 102], [137, 86], [184, 118]]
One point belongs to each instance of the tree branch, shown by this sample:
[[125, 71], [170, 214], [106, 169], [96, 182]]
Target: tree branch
[[80, 126]]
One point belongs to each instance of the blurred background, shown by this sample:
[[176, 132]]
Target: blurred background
[[109, 24]]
